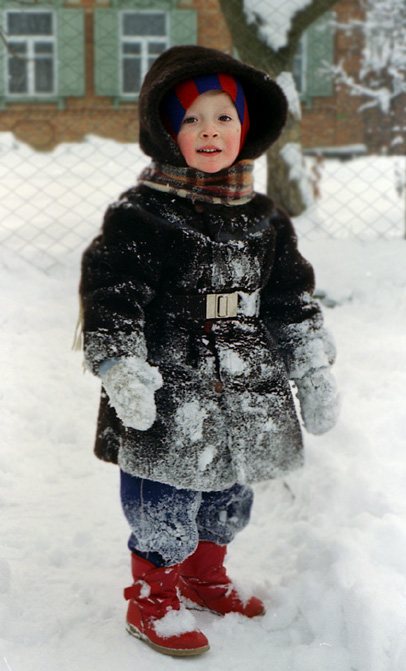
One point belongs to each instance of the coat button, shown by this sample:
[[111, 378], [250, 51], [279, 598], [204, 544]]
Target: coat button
[[208, 326], [218, 387]]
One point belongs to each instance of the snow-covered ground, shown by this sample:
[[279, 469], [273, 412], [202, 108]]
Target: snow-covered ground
[[326, 548]]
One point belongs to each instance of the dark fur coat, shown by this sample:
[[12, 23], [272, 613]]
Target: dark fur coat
[[225, 412]]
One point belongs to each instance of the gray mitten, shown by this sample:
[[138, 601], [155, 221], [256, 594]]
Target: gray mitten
[[319, 400], [130, 383]]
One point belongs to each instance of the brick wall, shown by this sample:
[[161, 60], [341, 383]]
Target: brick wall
[[212, 27], [336, 121]]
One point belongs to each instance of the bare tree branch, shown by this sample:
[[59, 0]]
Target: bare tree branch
[[246, 36]]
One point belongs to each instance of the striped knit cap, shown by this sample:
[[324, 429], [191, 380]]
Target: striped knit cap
[[181, 97]]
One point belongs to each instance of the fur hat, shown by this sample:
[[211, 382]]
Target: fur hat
[[266, 102], [182, 96]]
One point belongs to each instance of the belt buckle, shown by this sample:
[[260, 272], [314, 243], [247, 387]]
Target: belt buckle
[[221, 306]]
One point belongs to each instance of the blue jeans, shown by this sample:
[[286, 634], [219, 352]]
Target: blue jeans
[[167, 523]]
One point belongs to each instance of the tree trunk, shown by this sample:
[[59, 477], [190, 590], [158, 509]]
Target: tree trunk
[[287, 184], [287, 191]]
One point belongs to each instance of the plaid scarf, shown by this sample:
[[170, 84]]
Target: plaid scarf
[[232, 186]]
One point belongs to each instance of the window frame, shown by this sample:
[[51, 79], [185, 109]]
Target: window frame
[[143, 41], [30, 41]]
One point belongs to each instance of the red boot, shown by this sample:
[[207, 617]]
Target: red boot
[[203, 580], [154, 613]]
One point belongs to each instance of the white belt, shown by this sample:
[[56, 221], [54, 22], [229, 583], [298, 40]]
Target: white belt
[[222, 306]]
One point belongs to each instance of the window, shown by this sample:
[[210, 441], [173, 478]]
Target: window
[[144, 36], [314, 55], [127, 41], [30, 53], [300, 65]]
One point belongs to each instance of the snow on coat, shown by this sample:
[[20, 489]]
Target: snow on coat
[[225, 411], [207, 435]]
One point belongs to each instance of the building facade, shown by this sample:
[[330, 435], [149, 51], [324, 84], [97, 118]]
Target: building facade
[[74, 68], [69, 68]]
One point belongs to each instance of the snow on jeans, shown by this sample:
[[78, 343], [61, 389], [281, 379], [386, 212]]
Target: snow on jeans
[[167, 523]]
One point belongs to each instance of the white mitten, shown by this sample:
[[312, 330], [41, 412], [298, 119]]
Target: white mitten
[[130, 383], [319, 400]]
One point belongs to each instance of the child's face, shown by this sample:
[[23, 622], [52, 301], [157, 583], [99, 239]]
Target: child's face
[[210, 134]]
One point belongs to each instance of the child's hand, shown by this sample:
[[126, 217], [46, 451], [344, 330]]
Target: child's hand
[[130, 383], [319, 400]]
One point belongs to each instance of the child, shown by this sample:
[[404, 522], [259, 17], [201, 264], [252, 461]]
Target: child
[[197, 314]]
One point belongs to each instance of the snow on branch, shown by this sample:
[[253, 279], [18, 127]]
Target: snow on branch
[[377, 96], [273, 18], [382, 73]]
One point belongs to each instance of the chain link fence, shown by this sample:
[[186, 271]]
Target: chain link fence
[[68, 124]]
